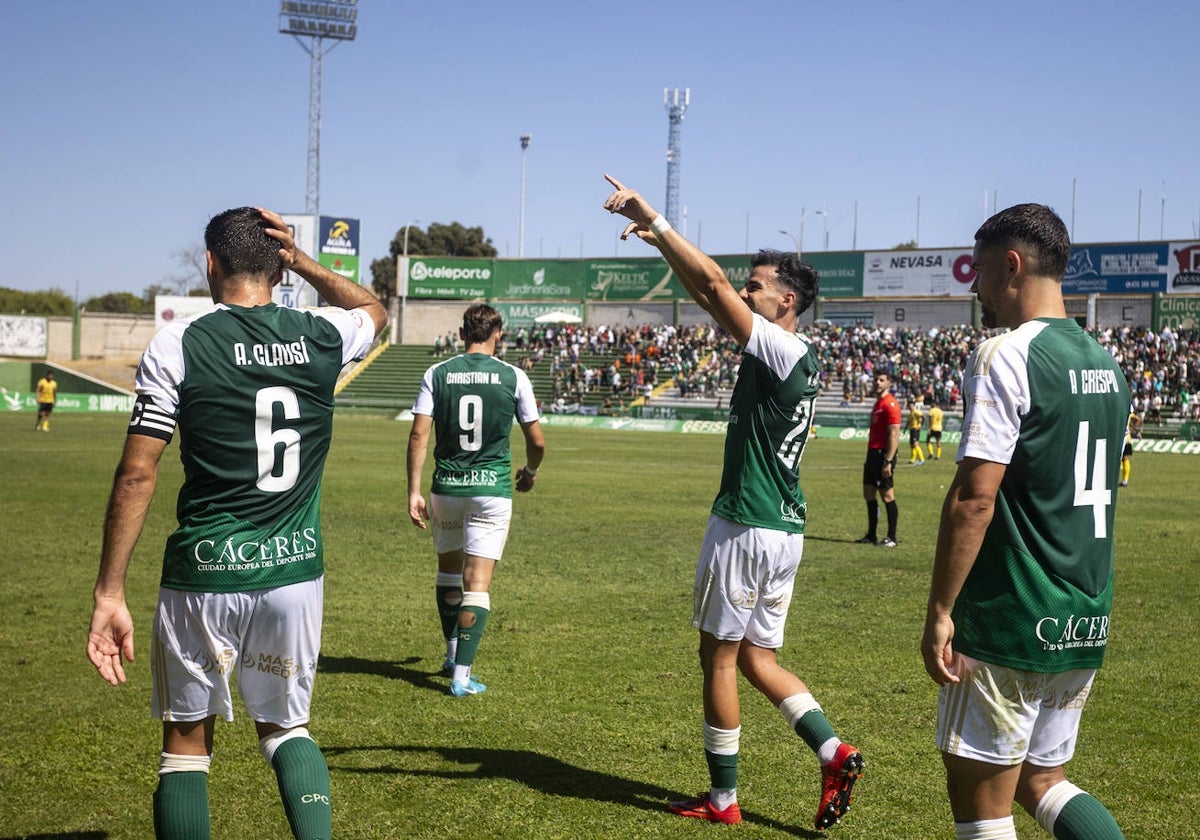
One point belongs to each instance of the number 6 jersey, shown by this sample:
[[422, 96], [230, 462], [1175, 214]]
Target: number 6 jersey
[[251, 391], [1051, 403]]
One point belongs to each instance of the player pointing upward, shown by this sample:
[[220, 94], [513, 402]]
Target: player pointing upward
[[755, 535]]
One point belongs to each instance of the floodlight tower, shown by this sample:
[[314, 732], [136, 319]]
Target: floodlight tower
[[525, 138], [333, 20], [676, 103]]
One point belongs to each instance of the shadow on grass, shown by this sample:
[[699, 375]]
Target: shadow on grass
[[378, 668], [64, 835], [537, 772]]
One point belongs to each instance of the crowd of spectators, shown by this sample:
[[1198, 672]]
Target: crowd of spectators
[[624, 363]]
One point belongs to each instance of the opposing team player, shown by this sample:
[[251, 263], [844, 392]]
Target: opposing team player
[[1018, 614]]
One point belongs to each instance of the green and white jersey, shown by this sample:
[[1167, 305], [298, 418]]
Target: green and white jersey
[[770, 414], [473, 398], [1049, 402], [251, 390]]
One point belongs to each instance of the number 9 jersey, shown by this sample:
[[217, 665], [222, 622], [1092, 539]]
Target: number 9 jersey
[[473, 399], [251, 391]]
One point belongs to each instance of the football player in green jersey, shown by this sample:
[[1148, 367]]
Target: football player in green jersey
[[755, 535], [471, 401], [250, 388], [1018, 613]]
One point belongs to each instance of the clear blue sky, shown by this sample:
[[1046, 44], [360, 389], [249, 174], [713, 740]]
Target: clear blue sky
[[127, 125]]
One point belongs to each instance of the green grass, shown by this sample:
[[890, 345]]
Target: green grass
[[592, 718]]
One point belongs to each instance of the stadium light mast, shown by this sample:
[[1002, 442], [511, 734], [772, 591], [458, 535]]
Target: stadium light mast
[[676, 104], [332, 20], [525, 138]]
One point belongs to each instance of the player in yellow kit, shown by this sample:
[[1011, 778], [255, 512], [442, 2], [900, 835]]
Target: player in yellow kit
[[933, 438], [46, 392], [916, 419]]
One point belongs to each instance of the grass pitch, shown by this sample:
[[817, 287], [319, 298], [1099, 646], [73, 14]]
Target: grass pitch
[[592, 718]]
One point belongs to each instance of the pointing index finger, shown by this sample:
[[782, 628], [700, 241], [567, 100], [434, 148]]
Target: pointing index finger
[[616, 184]]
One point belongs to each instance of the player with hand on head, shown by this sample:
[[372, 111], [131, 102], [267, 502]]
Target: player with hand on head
[[471, 400], [250, 388], [755, 535], [1021, 593]]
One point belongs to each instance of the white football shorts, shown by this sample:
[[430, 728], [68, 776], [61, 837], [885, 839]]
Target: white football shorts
[[476, 524], [269, 637], [744, 582], [1004, 716]]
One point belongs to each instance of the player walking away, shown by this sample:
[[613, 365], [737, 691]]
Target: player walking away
[[933, 438], [1019, 603], [883, 439], [1133, 429], [250, 388], [46, 393], [471, 401], [916, 421], [755, 535]]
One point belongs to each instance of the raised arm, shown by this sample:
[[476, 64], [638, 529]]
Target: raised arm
[[700, 275], [330, 285]]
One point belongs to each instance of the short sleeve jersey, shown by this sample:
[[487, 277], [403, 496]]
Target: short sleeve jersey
[[935, 419], [916, 418], [770, 414], [46, 390], [886, 413], [1049, 402], [251, 391], [473, 399]]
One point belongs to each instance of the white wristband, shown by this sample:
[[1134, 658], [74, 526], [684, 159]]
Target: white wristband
[[528, 470], [660, 225]]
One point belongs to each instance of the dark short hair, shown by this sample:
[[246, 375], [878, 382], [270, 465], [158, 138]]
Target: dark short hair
[[479, 322], [792, 272], [1033, 228], [238, 241]]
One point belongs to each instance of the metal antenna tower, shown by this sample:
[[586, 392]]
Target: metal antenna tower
[[676, 103], [335, 20]]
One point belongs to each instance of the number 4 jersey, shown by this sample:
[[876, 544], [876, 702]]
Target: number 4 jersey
[[251, 391], [1049, 402]]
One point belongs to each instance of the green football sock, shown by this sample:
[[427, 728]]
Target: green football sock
[[815, 729], [449, 598], [303, 778], [1085, 818], [181, 807], [469, 637], [722, 769]]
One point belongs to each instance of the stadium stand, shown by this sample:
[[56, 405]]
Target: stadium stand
[[696, 367]]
